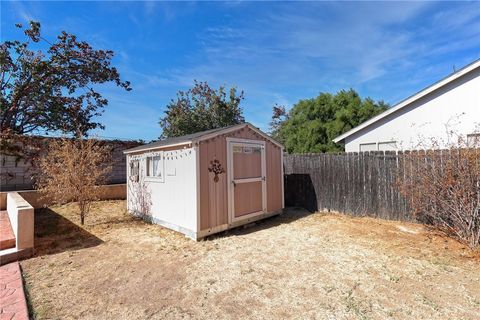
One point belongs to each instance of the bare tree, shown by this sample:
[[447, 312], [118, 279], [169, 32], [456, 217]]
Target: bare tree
[[443, 186], [72, 170]]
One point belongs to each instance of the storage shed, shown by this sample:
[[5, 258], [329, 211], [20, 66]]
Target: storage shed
[[207, 182]]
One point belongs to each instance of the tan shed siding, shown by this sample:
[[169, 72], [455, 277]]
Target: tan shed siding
[[204, 186], [274, 177], [220, 189], [214, 196]]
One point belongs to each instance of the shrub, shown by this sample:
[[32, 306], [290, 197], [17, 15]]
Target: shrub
[[71, 171], [140, 199], [443, 187]]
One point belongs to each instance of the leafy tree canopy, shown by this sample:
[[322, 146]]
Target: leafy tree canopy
[[312, 124], [53, 90], [201, 108]]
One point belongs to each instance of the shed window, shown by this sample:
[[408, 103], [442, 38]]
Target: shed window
[[155, 166], [134, 170], [473, 139]]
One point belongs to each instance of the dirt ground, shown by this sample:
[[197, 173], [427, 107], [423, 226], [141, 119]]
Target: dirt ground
[[297, 265]]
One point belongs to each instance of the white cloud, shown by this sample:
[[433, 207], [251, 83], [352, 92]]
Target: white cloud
[[22, 11], [284, 51], [303, 46]]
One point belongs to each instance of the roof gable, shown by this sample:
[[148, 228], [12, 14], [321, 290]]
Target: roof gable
[[199, 136], [465, 70]]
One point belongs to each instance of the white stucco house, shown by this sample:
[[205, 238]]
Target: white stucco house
[[451, 104]]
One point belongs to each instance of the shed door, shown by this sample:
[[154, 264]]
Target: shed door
[[247, 179]]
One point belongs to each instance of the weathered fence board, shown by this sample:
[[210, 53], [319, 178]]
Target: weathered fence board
[[360, 184]]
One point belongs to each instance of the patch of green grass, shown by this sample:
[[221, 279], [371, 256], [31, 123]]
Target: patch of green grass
[[427, 301], [393, 278], [441, 262], [358, 307]]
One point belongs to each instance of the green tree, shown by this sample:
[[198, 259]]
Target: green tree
[[201, 108], [312, 124], [52, 90]]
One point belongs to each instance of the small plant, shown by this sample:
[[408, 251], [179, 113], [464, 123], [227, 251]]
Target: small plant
[[141, 200], [72, 170], [443, 186]]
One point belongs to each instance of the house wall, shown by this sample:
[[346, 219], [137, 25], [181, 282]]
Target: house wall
[[456, 104], [170, 201], [214, 195]]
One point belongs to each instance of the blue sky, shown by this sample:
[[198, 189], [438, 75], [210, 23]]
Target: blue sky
[[275, 52]]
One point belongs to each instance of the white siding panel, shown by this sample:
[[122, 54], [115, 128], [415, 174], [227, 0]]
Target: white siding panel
[[456, 105], [174, 200]]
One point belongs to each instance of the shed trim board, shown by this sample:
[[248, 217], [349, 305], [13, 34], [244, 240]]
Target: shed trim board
[[467, 69], [243, 125], [154, 145], [283, 182], [197, 180], [187, 232], [185, 144]]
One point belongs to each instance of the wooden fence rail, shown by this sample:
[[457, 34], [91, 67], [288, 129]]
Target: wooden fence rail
[[360, 184]]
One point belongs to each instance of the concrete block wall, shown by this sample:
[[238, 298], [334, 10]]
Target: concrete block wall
[[18, 174]]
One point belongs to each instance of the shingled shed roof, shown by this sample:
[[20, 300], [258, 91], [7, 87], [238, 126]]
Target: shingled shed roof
[[198, 136]]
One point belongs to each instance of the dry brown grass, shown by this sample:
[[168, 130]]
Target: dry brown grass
[[297, 265]]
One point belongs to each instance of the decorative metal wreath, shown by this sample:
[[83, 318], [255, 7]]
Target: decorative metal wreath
[[216, 168]]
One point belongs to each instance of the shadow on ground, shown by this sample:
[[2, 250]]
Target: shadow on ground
[[54, 234], [289, 215]]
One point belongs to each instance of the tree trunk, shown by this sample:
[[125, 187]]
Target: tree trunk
[[81, 206]]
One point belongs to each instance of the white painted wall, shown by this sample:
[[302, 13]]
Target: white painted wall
[[174, 198], [21, 215], [456, 104]]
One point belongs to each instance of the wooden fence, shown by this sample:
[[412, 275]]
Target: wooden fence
[[360, 184]]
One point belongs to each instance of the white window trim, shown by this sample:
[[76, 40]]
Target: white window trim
[[162, 164], [129, 171], [474, 139], [376, 144], [367, 144], [387, 143]]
